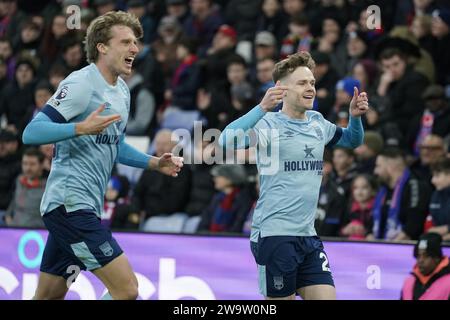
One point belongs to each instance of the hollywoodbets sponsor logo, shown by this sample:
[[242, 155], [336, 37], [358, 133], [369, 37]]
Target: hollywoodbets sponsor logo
[[107, 139], [304, 165]]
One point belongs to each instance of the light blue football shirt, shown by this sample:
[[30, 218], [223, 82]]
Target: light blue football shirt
[[82, 165], [290, 162]]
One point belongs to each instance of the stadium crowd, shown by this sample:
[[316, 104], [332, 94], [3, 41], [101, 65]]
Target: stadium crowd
[[211, 61]]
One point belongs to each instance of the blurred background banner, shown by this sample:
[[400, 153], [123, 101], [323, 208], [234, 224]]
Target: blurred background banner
[[205, 267]]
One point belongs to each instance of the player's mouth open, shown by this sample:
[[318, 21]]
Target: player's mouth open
[[308, 96], [129, 61]]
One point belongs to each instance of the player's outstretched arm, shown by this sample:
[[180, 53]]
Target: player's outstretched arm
[[238, 129], [167, 164], [43, 130], [353, 135]]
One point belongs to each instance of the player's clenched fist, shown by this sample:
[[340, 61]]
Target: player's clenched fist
[[273, 97]]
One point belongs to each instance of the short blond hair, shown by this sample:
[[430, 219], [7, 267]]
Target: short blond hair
[[99, 31], [291, 63]]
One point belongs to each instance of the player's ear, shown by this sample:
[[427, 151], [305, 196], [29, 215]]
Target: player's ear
[[102, 48]]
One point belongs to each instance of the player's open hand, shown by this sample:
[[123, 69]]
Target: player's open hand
[[273, 97], [170, 165], [95, 123], [359, 104]]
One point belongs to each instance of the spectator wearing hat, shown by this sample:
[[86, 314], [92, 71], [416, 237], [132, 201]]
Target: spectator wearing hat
[[326, 79], [104, 6], [440, 199], [273, 19], [344, 94], [232, 202], [434, 119], [399, 91], [165, 46], [17, 96], [23, 211], [366, 154], [137, 7], [440, 29], [203, 23], [401, 203], [430, 277], [9, 167], [178, 9], [265, 45]]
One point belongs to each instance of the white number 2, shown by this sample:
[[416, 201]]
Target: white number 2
[[325, 265]]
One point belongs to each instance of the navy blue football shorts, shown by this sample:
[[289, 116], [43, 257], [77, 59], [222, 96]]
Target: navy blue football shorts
[[76, 239], [288, 263]]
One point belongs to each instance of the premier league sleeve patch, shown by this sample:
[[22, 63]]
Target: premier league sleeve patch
[[62, 93]]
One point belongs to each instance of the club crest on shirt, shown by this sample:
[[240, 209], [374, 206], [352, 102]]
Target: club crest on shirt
[[62, 93]]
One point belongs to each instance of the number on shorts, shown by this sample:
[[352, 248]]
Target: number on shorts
[[325, 265]]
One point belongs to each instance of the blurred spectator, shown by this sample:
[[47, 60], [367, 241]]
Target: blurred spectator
[[241, 100], [178, 9], [243, 16], [116, 211], [42, 93], [202, 184], [344, 168], [326, 79], [137, 7], [3, 74], [104, 6], [265, 45], [440, 199], [332, 202], [23, 211], [399, 90], [47, 150], [203, 23], [10, 18], [56, 74], [186, 79], [17, 96], [165, 47], [142, 105], [232, 202], [299, 37], [344, 93], [366, 154], [53, 38], [430, 278], [332, 43], [148, 66], [72, 55], [246, 228], [157, 194], [434, 119], [431, 150], [264, 70], [440, 29], [407, 10], [6, 53], [9, 167], [294, 8], [358, 48], [29, 39], [421, 29], [272, 19], [358, 222], [401, 203]]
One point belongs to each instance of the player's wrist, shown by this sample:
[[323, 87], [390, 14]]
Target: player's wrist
[[153, 163], [79, 129]]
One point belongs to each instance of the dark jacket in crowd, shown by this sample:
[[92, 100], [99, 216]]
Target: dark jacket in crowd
[[201, 189], [159, 194], [15, 102], [440, 207], [10, 167], [243, 15]]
